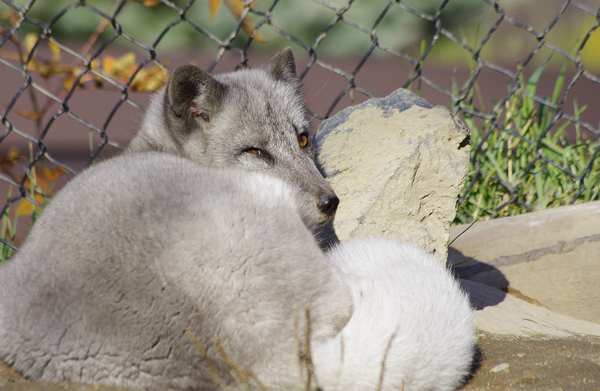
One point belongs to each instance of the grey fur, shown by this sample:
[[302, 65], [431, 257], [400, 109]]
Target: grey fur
[[137, 250], [140, 255], [251, 118]]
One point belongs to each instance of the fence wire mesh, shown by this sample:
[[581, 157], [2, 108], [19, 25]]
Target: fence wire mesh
[[519, 74]]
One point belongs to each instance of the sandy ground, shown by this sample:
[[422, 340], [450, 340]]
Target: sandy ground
[[536, 363]]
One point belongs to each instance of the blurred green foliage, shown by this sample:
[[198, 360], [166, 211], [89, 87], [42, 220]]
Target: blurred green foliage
[[303, 19]]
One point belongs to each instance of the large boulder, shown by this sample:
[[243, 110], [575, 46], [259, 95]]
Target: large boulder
[[397, 164]]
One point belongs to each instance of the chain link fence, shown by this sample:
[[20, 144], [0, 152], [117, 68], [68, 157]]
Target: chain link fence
[[520, 75]]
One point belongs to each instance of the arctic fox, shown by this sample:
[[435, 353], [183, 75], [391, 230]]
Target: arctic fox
[[254, 119], [148, 271]]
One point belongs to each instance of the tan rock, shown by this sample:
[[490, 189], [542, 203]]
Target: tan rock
[[551, 257], [397, 165], [500, 313]]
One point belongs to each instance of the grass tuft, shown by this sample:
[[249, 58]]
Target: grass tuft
[[522, 160]]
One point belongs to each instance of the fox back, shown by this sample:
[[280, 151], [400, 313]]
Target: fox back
[[253, 119], [147, 271]]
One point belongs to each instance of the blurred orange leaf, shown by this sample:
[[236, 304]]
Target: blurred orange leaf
[[45, 179], [68, 82], [9, 55], [72, 76], [121, 69], [214, 6], [55, 52], [248, 28], [33, 115], [148, 3], [122, 65], [108, 63], [26, 207], [237, 9], [14, 155], [10, 15], [11, 159], [150, 79], [52, 175], [30, 41], [46, 68]]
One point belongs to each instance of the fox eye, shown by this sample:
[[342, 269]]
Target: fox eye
[[303, 140], [257, 151]]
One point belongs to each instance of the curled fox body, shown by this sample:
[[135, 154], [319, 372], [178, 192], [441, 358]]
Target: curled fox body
[[149, 272]]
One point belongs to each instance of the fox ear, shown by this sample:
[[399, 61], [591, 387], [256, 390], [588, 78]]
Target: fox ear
[[193, 93], [283, 67]]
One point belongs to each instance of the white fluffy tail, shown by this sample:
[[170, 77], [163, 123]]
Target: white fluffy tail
[[412, 326]]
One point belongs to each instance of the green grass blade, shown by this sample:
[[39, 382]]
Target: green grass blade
[[560, 82], [535, 77]]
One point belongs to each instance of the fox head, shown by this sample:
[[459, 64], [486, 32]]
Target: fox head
[[253, 119]]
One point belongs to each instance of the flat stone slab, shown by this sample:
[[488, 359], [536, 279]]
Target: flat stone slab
[[397, 164], [551, 257], [503, 314]]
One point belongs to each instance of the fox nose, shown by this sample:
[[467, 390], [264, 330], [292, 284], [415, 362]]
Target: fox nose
[[329, 204]]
